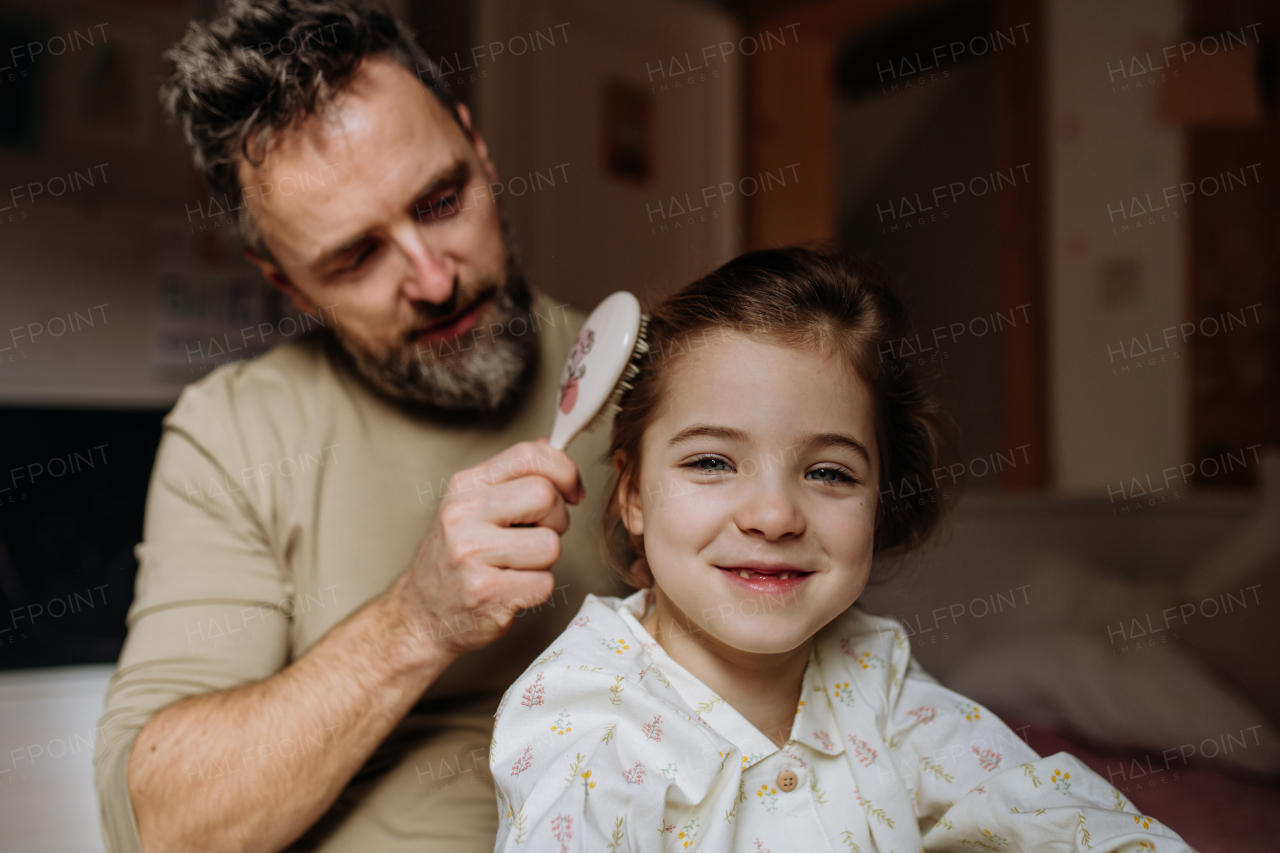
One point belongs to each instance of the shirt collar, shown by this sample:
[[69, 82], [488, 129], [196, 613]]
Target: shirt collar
[[814, 724]]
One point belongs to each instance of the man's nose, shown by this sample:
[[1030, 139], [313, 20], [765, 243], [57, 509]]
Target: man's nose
[[431, 274]]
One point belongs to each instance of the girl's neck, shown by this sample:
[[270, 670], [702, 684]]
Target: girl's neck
[[763, 688]]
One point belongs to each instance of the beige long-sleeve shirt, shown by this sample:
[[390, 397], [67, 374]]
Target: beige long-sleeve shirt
[[286, 495]]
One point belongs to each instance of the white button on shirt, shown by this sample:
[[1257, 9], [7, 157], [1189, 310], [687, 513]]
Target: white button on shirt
[[606, 743]]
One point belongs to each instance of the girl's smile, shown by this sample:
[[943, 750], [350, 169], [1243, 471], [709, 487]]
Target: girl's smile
[[767, 578]]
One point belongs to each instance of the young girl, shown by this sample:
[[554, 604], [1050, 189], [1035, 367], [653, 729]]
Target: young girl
[[739, 701]]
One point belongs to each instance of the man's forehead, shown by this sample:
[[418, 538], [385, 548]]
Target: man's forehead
[[383, 104]]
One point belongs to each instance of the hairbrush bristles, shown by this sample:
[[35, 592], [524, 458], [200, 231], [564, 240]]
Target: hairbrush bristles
[[623, 387], [601, 366]]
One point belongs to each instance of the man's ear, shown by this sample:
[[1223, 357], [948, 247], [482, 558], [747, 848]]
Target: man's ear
[[482, 150], [279, 281], [629, 509]]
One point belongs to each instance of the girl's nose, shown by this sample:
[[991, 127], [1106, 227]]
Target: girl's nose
[[769, 510]]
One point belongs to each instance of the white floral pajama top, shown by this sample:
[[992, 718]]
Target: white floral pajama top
[[607, 744]]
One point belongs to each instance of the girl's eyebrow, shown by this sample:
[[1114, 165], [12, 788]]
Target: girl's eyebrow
[[837, 439], [813, 439], [707, 431]]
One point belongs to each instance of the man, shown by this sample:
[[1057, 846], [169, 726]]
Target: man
[[337, 531]]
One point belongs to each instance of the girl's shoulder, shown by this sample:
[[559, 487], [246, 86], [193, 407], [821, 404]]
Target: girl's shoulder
[[597, 639], [872, 648], [598, 654], [596, 681], [596, 711]]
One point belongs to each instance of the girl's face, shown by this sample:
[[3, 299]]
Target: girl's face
[[757, 493]]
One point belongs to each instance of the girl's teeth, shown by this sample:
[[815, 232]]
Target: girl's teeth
[[785, 576], [744, 573]]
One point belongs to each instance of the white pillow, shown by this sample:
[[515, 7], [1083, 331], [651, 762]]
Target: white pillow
[[1255, 545], [1157, 699]]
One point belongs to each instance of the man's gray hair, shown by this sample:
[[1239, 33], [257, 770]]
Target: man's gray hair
[[267, 65]]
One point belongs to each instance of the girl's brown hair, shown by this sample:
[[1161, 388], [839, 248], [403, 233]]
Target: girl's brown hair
[[828, 302]]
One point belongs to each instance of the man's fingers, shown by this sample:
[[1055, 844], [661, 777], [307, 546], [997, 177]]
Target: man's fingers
[[528, 500], [521, 460], [528, 589], [522, 548]]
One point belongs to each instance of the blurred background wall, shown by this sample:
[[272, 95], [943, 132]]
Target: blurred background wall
[[1077, 198]]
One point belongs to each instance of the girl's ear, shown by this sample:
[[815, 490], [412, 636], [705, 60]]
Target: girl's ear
[[629, 510]]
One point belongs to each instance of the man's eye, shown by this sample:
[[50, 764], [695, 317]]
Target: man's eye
[[361, 257], [440, 208]]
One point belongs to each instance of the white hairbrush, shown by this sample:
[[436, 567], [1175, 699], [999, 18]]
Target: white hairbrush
[[604, 358]]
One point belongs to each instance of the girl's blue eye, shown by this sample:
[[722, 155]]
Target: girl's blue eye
[[710, 464], [828, 475]]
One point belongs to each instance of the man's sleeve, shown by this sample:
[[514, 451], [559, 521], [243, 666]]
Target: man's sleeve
[[206, 612]]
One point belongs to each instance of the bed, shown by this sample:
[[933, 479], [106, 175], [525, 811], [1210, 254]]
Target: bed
[[1142, 642]]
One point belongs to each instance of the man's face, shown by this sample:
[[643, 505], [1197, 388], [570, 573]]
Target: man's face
[[392, 235]]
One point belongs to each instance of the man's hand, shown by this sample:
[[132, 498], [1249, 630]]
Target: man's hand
[[497, 530]]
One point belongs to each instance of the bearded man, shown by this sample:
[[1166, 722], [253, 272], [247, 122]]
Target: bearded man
[[348, 540]]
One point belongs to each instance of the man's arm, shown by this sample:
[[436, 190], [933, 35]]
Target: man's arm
[[360, 680], [352, 688]]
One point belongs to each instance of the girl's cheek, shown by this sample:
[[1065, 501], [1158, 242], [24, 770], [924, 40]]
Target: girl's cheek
[[670, 490], [683, 511], [695, 506], [848, 537]]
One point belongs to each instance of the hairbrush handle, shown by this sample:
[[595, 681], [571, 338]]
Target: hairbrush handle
[[598, 360]]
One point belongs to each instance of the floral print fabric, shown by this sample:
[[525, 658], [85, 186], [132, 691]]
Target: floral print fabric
[[607, 744]]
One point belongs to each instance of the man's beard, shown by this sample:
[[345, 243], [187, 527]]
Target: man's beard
[[480, 371]]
